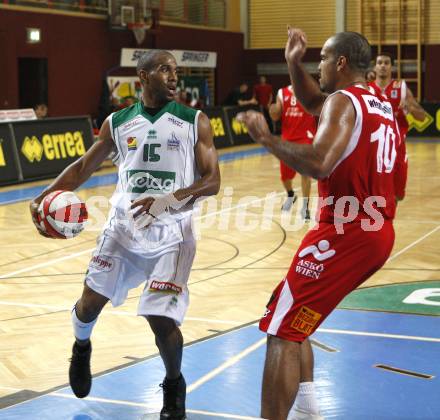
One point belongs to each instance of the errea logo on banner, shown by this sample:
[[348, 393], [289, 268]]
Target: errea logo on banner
[[53, 146]]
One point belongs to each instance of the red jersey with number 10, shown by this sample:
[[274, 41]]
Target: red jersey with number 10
[[395, 93], [296, 123], [364, 173]]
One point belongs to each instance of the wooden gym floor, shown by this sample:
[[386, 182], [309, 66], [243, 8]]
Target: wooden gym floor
[[231, 281]]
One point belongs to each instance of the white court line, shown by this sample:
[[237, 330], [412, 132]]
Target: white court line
[[383, 335], [232, 361], [134, 404], [11, 388], [112, 312], [222, 321], [119, 369], [51, 262], [46, 263], [238, 206], [413, 243]]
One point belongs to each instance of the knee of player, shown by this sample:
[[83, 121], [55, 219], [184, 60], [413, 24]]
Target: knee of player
[[90, 305], [161, 326]]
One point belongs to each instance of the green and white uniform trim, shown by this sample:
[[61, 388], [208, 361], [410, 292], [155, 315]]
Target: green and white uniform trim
[[155, 154]]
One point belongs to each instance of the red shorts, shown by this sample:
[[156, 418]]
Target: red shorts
[[285, 171], [325, 269], [401, 171]]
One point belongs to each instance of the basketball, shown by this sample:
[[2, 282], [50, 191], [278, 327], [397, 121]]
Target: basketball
[[62, 214]]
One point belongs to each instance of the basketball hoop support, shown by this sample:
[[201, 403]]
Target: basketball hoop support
[[150, 24], [139, 31]]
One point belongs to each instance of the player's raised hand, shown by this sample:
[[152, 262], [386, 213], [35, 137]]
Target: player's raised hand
[[33, 207], [256, 125], [296, 45]]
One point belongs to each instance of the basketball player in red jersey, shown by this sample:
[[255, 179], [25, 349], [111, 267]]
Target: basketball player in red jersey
[[403, 102], [297, 126], [352, 156]]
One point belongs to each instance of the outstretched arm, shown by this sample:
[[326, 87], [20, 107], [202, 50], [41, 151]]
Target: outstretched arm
[[318, 159], [413, 107], [304, 85], [276, 109], [79, 171]]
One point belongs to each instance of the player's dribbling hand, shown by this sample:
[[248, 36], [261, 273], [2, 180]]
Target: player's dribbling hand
[[256, 125], [146, 210], [140, 210], [296, 45], [33, 207]]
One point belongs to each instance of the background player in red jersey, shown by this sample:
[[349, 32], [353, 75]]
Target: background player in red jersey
[[298, 126], [403, 102], [352, 156], [263, 94]]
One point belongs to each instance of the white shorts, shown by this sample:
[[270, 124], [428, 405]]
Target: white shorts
[[114, 270]]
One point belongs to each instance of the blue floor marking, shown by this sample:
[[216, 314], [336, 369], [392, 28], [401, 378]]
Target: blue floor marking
[[27, 193], [383, 322], [348, 386]]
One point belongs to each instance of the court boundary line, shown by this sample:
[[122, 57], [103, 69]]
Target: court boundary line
[[225, 365], [216, 335], [66, 257], [414, 243], [380, 335], [384, 311], [132, 363], [95, 179], [74, 255], [200, 217], [111, 312], [136, 404]]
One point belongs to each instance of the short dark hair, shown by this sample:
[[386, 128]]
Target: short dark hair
[[355, 48], [386, 54], [147, 61]]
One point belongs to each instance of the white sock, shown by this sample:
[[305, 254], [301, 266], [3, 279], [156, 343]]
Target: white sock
[[82, 330], [306, 398], [305, 202]]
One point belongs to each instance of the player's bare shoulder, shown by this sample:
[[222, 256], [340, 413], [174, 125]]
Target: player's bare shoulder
[[204, 130]]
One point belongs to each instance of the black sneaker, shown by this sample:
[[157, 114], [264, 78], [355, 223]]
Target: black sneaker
[[80, 377], [174, 394], [307, 216]]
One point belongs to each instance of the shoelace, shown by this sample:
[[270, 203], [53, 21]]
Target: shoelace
[[168, 390]]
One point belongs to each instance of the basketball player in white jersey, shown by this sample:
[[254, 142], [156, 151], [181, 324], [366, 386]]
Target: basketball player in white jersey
[[167, 160]]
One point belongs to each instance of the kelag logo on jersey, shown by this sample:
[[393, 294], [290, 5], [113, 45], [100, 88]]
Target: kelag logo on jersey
[[141, 181]]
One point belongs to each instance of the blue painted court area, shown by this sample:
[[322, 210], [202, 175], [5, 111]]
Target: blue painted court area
[[22, 193], [223, 374]]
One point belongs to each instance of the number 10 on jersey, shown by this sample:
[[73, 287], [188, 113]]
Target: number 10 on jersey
[[386, 148]]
